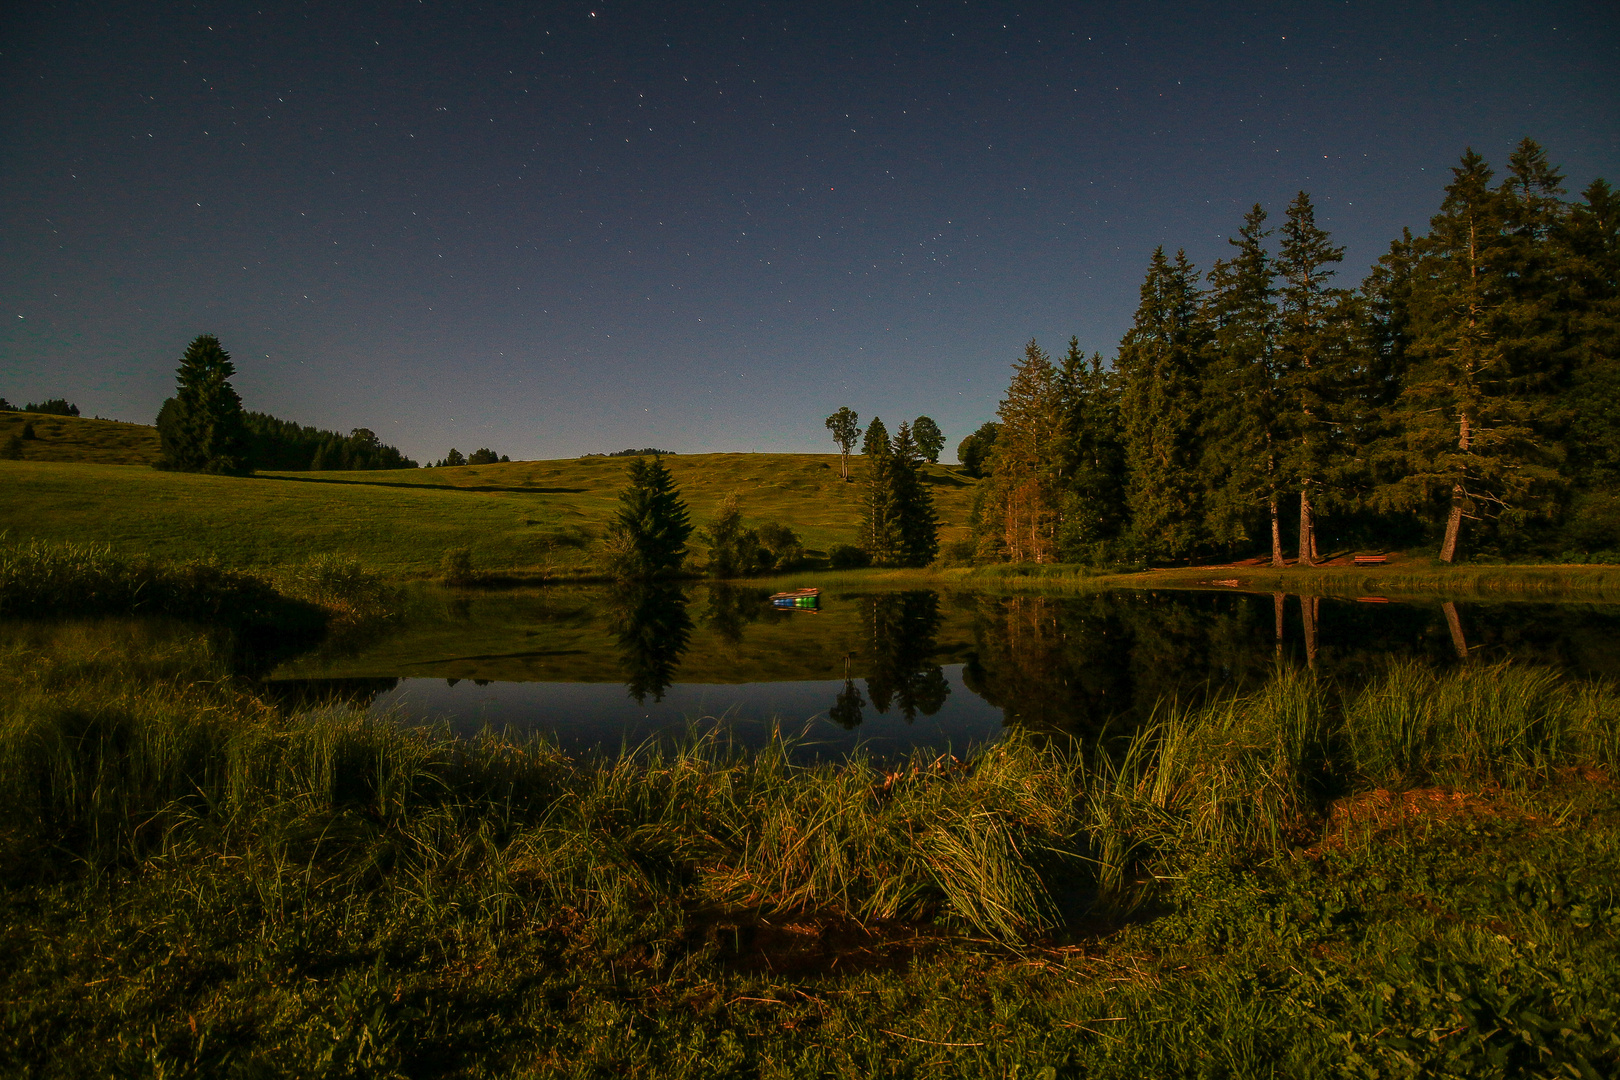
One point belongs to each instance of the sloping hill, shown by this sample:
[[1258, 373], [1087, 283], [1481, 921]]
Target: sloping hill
[[523, 517], [82, 440]]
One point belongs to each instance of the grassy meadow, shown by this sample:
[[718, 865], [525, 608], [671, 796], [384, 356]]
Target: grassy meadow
[[81, 440], [526, 518], [1414, 878]]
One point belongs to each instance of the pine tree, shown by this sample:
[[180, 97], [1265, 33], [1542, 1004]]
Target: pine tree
[[1592, 235], [880, 526], [201, 428], [1313, 344], [916, 523], [845, 425], [1243, 433], [1023, 493], [1160, 368], [1091, 461], [930, 440], [1467, 424], [650, 532], [877, 438]]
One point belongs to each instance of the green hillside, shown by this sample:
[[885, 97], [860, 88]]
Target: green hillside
[[522, 517], [81, 440]]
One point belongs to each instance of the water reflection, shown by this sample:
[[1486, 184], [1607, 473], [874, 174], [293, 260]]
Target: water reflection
[[653, 630], [902, 629], [874, 662]]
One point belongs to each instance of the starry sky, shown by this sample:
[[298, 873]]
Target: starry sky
[[559, 228]]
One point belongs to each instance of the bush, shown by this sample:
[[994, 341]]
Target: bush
[[343, 587], [848, 557], [458, 567], [785, 550]]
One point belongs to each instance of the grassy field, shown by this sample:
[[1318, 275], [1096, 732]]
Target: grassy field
[[76, 439], [526, 518], [1416, 878]]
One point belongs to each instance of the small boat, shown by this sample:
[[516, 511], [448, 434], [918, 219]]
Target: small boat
[[798, 600]]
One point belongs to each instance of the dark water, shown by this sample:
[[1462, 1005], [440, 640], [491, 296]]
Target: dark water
[[894, 669]]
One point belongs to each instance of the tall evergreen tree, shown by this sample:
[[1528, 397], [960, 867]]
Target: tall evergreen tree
[[1160, 368], [1313, 344], [1091, 461], [880, 525], [1593, 238], [1019, 512], [201, 428], [652, 526], [1243, 432], [916, 523], [1467, 425], [877, 438]]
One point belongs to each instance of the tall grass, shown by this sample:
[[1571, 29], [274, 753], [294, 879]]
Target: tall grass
[[104, 769], [56, 579]]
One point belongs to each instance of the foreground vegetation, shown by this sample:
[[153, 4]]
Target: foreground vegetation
[[1411, 877]]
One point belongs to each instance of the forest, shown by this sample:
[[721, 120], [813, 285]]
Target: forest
[[1466, 395]]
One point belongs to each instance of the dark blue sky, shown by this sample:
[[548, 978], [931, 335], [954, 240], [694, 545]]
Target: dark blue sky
[[559, 228]]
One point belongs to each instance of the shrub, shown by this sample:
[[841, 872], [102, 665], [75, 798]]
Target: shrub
[[848, 557], [458, 567], [784, 548]]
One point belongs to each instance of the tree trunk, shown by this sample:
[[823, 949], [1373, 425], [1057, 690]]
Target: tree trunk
[[1307, 528], [1448, 547], [1276, 537], [1454, 624], [1279, 601], [1309, 608]]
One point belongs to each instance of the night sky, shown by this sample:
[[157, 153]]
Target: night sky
[[553, 229]]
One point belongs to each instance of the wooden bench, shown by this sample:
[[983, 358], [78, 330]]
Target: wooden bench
[[1371, 560]]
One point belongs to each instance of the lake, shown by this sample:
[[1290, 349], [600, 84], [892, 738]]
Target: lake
[[890, 669]]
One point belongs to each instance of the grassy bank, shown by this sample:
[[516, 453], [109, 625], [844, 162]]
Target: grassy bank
[[1416, 877], [1409, 577]]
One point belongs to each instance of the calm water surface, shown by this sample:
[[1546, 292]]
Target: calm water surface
[[892, 669]]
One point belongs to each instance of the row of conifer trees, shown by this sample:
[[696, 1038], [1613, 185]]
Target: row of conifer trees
[[1471, 384]]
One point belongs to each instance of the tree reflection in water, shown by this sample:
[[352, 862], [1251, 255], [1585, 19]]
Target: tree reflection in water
[[653, 629], [846, 709], [902, 628]]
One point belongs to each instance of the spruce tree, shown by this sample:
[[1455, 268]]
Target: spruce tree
[[880, 526], [650, 532], [1243, 434], [877, 438], [1090, 459], [1160, 368], [1018, 514], [916, 523], [1467, 424], [201, 428], [1592, 235], [1313, 345]]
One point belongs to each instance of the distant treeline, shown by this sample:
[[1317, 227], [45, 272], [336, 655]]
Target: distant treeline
[[291, 447], [648, 452], [53, 407], [1466, 392]]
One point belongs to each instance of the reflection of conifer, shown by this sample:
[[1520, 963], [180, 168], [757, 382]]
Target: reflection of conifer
[[903, 627], [846, 709], [653, 629]]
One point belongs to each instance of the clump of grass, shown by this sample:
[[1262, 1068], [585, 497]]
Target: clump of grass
[[343, 587]]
